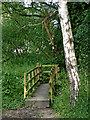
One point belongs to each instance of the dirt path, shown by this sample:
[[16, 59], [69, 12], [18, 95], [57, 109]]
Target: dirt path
[[29, 112]]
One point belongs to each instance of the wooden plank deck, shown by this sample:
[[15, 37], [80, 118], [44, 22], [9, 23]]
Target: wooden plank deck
[[41, 97]]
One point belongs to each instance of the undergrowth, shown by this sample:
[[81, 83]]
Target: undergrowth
[[62, 99], [13, 83]]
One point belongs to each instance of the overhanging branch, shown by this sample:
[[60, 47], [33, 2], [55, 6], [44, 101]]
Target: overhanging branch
[[27, 33], [45, 24], [29, 15]]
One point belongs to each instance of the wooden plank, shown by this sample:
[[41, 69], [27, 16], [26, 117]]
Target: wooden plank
[[29, 82], [24, 85], [35, 75], [34, 85], [31, 70], [52, 84], [47, 65], [46, 71], [38, 70], [32, 78]]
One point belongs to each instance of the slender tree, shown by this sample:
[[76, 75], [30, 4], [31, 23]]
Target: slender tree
[[68, 43]]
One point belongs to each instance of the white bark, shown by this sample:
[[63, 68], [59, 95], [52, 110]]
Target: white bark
[[68, 44]]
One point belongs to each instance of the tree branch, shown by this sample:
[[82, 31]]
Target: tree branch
[[50, 14], [29, 15], [26, 33], [32, 24], [45, 24]]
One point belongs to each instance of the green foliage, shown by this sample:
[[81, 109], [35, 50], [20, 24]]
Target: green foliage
[[62, 100], [34, 41], [13, 82]]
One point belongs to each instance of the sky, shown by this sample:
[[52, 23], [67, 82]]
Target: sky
[[41, 0], [29, 1]]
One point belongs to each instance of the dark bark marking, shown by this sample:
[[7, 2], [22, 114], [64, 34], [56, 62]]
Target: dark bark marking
[[71, 41], [67, 22], [68, 51], [61, 17]]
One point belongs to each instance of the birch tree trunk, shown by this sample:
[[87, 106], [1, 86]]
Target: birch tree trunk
[[70, 59]]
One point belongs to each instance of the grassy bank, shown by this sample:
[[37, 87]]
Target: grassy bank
[[12, 83], [62, 100]]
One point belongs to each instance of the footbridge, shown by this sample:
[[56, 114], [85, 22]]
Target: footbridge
[[39, 85]]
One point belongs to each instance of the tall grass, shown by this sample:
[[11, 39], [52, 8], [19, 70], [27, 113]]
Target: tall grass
[[62, 100], [13, 82], [13, 79]]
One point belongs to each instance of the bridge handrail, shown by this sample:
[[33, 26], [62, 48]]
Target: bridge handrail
[[48, 65], [52, 81], [34, 76], [32, 70]]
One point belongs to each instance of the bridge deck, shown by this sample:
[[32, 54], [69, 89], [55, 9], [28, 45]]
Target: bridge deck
[[41, 97]]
